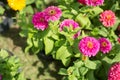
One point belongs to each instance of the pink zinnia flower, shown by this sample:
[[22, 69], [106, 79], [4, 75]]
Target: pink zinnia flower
[[114, 72], [68, 23], [91, 2], [89, 46], [53, 13], [105, 45], [39, 21], [94, 2], [108, 18]]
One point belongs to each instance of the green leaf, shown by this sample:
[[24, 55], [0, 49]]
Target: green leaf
[[83, 70], [90, 75], [49, 45], [63, 52], [55, 37], [117, 54], [40, 5], [30, 1], [59, 43], [96, 11], [76, 72], [76, 49], [67, 14], [66, 61], [115, 50], [83, 21], [72, 77], [29, 9], [78, 63], [103, 32], [1, 10], [63, 71], [92, 64], [30, 44]]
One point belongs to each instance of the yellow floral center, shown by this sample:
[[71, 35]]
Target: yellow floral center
[[90, 44], [104, 44], [52, 12], [108, 17]]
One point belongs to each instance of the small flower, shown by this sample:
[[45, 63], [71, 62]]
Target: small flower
[[108, 18], [91, 2], [39, 21], [76, 35], [17, 4], [53, 13], [68, 23], [105, 45], [89, 46], [114, 72], [94, 2]]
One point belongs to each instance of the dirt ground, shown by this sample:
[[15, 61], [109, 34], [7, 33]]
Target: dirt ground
[[34, 68]]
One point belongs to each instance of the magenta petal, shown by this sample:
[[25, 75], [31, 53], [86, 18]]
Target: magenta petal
[[89, 46], [114, 72]]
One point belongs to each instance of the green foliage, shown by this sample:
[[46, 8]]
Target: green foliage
[[10, 67], [61, 44], [49, 45]]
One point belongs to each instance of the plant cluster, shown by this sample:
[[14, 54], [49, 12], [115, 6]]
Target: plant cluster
[[83, 34]]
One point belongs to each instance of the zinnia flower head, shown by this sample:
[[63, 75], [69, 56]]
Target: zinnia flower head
[[114, 72], [108, 18], [39, 21], [53, 13], [91, 2], [17, 4], [105, 45], [68, 23], [89, 46], [94, 2]]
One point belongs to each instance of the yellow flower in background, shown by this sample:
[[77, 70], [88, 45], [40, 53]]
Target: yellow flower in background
[[17, 4]]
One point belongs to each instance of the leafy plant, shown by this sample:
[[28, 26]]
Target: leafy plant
[[10, 66], [80, 34]]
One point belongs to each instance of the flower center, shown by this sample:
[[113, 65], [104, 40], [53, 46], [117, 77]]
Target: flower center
[[104, 44], [41, 19], [108, 17], [90, 44], [52, 12]]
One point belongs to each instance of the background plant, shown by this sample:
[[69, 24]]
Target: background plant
[[10, 66]]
